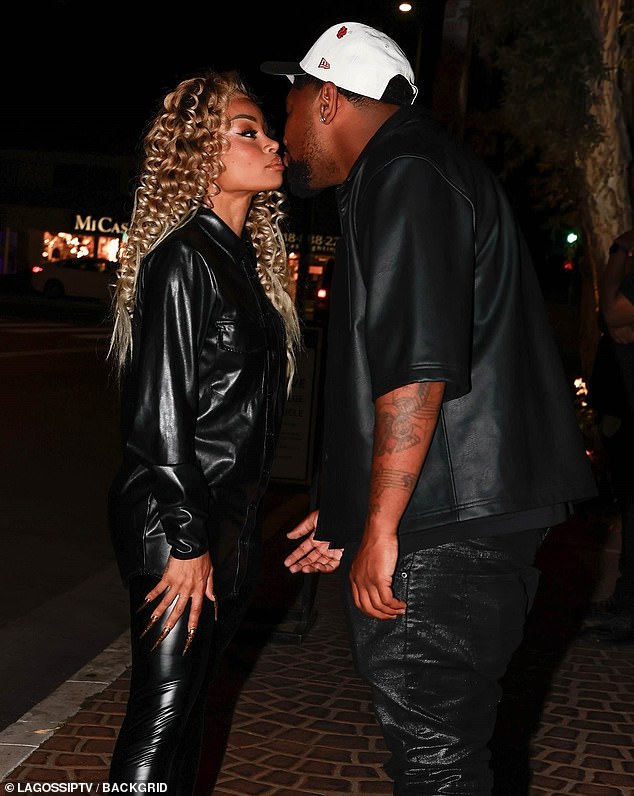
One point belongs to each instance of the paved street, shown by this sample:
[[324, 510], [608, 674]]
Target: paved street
[[63, 601], [293, 719]]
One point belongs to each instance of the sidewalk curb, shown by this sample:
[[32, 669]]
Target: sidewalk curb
[[22, 738]]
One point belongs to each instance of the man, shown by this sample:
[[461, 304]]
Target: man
[[450, 441]]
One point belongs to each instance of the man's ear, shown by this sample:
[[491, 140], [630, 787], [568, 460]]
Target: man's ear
[[328, 102]]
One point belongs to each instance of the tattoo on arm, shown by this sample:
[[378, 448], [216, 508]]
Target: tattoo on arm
[[396, 479], [398, 426], [385, 478]]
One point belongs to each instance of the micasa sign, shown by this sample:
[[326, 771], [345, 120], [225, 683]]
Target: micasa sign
[[104, 224]]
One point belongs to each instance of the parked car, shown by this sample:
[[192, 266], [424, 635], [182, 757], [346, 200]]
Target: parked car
[[81, 277]]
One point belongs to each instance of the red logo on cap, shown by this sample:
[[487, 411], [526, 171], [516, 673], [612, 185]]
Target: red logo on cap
[[323, 64], [342, 32]]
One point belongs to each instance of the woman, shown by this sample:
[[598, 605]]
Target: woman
[[204, 340]]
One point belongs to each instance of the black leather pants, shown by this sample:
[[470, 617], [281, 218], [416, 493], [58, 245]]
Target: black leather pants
[[435, 671], [161, 735]]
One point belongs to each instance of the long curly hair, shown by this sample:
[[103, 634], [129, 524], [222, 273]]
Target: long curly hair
[[182, 158]]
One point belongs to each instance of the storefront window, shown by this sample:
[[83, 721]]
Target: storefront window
[[108, 247], [65, 245]]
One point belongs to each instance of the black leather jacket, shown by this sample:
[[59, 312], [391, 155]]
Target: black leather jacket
[[202, 404], [433, 282]]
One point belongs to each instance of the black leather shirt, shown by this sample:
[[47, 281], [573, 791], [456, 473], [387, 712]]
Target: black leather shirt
[[433, 282], [202, 404]]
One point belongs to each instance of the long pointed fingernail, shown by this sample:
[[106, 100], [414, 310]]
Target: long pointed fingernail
[[190, 637], [150, 625], [145, 603], [163, 635]]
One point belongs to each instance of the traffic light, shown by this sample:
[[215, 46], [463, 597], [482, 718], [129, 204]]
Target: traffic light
[[571, 238]]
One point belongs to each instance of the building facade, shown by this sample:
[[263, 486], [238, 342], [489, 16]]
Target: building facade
[[57, 205]]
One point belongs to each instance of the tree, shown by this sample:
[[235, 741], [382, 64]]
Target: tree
[[551, 97], [607, 174]]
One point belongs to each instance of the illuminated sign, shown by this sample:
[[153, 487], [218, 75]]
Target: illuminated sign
[[319, 244], [105, 225]]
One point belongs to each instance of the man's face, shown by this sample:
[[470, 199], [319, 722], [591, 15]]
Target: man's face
[[305, 157]]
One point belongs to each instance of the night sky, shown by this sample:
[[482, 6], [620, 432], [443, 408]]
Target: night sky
[[84, 77]]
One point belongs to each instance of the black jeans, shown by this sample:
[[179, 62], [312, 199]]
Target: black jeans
[[161, 735], [435, 671]]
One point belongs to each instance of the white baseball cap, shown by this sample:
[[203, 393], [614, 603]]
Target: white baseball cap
[[354, 57]]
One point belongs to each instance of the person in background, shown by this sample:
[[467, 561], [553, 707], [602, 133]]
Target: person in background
[[204, 341], [451, 443], [617, 289], [611, 390]]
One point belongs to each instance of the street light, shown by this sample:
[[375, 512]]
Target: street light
[[406, 8]]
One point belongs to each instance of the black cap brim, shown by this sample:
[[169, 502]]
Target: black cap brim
[[281, 68]]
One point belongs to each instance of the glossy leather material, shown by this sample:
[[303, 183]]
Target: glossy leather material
[[202, 404], [433, 282], [435, 671], [161, 735]]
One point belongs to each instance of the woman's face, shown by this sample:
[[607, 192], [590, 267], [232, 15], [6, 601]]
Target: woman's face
[[252, 162]]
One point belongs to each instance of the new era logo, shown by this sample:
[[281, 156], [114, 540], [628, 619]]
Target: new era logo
[[323, 64]]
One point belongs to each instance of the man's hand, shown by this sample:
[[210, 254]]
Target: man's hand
[[371, 578], [311, 555]]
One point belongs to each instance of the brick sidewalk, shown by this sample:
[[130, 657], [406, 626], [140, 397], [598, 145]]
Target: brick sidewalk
[[296, 720]]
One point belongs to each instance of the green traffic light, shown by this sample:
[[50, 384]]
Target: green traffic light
[[571, 238]]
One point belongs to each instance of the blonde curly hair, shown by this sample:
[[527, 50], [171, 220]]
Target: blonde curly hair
[[183, 151]]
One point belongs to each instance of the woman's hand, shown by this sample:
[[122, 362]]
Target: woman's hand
[[182, 581]]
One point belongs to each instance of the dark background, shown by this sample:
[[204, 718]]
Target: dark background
[[86, 77]]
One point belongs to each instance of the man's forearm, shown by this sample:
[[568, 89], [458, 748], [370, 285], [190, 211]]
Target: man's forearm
[[405, 421]]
